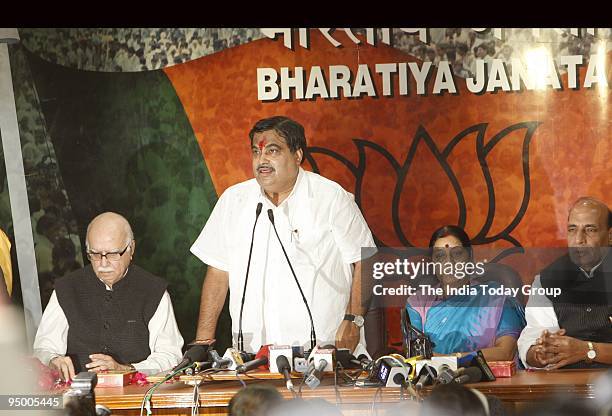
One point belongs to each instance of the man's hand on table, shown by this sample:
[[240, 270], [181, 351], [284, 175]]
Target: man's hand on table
[[564, 350], [64, 365], [556, 350], [102, 362]]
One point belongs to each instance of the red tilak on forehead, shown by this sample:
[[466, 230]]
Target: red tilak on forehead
[[261, 144]]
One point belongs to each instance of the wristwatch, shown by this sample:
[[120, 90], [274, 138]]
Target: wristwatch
[[356, 319], [592, 353]]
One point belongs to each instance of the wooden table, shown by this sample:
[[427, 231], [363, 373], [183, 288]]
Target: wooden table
[[517, 392]]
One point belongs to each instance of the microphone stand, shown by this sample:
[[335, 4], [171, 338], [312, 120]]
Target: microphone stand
[[246, 279], [313, 336]]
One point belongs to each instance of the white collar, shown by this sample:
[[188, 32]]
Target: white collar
[[589, 275], [296, 185]]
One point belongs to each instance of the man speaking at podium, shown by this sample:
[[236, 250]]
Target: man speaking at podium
[[322, 232]]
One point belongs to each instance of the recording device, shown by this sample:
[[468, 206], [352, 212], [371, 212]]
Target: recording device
[[415, 341], [80, 397], [251, 365], [246, 279], [437, 362], [278, 351], [400, 380], [262, 358], [466, 360], [386, 372], [300, 364], [314, 378], [323, 354], [470, 375], [480, 362], [282, 364], [446, 374], [218, 361], [237, 357], [313, 336], [300, 360], [196, 353], [344, 356], [362, 361], [427, 375], [197, 367]]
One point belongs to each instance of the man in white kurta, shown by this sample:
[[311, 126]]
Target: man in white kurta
[[322, 231]]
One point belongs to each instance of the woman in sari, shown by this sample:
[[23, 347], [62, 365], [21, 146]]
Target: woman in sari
[[463, 323]]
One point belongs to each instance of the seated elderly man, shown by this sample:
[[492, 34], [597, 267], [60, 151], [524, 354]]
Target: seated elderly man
[[574, 329], [109, 315]]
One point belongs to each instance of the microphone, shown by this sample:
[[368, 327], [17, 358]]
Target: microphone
[[362, 361], [446, 374], [194, 354], [218, 361], [314, 379], [197, 367], [246, 279], [313, 336], [470, 375], [401, 380], [426, 376], [282, 363], [250, 365]]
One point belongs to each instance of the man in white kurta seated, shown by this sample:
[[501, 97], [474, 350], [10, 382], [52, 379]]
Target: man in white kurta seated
[[110, 315], [574, 329], [322, 231]]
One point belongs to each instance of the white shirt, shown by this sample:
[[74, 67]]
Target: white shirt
[[322, 231], [165, 340], [540, 315]]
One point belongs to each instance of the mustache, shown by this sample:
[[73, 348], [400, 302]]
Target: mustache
[[264, 167]]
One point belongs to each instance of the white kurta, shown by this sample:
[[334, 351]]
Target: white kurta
[[165, 340], [323, 232]]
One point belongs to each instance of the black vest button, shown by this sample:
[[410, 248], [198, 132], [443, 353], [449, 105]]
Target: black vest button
[[106, 325]]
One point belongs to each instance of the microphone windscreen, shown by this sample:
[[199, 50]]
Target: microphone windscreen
[[399, 379], [197, 353], [429, 370], [444, 367], [271, 215], [474, 374], [258, 210], [282, 363]]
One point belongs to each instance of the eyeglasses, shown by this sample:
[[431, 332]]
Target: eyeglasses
[[112, 256], [439, 254]]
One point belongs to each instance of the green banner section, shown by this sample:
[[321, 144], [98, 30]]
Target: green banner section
[[124, 144]]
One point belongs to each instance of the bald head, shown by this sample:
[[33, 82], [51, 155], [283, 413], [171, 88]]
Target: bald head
[[589, 232], [110, 223], [588, 202], [110, 233]]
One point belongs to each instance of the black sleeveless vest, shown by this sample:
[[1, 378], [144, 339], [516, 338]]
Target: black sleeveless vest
[[584, 307], [113, 322]]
